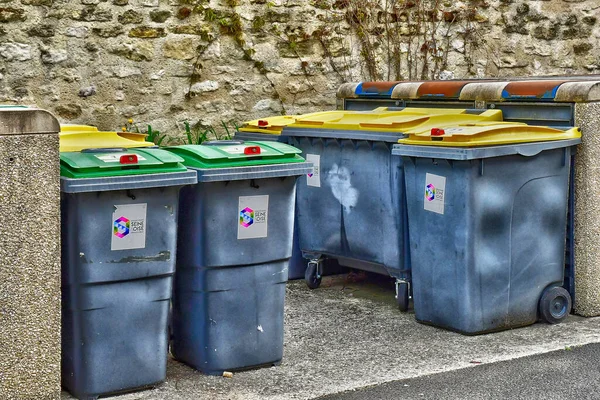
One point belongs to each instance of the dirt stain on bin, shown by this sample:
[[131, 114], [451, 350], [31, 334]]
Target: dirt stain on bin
[[161, 256]]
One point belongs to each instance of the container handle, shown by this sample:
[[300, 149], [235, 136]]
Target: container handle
[[529, 152], [105, 150], [222, 142]]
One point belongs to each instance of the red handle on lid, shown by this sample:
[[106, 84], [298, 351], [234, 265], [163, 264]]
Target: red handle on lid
[[437, 132], [128, 159], [252, 150]]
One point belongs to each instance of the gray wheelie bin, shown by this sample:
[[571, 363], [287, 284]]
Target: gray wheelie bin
[[119, 227], [235, 241], [487, 206]]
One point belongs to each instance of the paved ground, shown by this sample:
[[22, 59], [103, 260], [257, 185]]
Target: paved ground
[[562, 374], [348, 335]]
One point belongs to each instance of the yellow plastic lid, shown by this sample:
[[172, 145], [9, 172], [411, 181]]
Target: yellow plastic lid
[[424, 126], [486, 134], [80, 137], [380, 120], [138, 137], [70, 128]]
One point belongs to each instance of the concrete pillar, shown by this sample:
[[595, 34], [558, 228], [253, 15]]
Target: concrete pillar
[[587, 211], [29, 255]]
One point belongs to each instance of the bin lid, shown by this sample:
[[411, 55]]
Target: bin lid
[[236, 153], [382, 119], [118, 162], [486, 134], [80, 137]]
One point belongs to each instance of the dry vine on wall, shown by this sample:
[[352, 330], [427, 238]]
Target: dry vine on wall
[[405, 39], [358, 39]]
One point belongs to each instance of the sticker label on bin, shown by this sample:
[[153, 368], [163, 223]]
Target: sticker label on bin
[[116, 157], [253, 216], [129, 227], [435, 192], [234, 149], [314, 179]]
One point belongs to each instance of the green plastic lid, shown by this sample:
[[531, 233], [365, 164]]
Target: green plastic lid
[[118, 162], [231, 153]]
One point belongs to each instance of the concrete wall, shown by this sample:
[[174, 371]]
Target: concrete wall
[[166, 61], [30, 262]]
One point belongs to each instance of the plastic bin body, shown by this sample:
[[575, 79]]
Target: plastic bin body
[[482, 263], [115, 303], [261, 137], [227, 290], [229, 294], [356, 214]]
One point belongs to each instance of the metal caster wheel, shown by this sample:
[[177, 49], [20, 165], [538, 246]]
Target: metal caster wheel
[[312, 275], [402, 298]]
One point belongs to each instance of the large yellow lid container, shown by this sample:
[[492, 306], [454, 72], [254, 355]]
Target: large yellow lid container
[[80, 137]]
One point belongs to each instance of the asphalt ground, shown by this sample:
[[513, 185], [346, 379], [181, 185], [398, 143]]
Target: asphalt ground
[[573, 373]]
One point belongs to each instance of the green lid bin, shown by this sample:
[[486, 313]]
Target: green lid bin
[[119, 233], [235, 242]]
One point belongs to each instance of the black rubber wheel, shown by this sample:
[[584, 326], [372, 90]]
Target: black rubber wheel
[[310, 276], [555, 305], [402, 296]]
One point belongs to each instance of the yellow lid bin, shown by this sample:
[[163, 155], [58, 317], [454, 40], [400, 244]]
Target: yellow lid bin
[[423, 126], [80, 137]]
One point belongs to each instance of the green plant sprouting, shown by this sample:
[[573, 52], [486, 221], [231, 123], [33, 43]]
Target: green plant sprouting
[[198, 134], [193, 134], [155, 136]]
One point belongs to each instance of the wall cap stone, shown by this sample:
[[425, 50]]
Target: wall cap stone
[[579, 92], [347, 91], [572, 89], [480, 91], [406, 90], [27, 121]]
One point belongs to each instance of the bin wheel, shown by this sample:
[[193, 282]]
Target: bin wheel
[[312, 275], [402, 295], [555, 305]]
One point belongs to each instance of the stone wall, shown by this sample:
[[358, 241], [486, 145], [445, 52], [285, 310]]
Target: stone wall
[[167, 61]]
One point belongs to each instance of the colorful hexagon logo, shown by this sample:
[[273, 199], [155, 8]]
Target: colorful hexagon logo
[[246, 217], [430, 192], [121, 227]]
